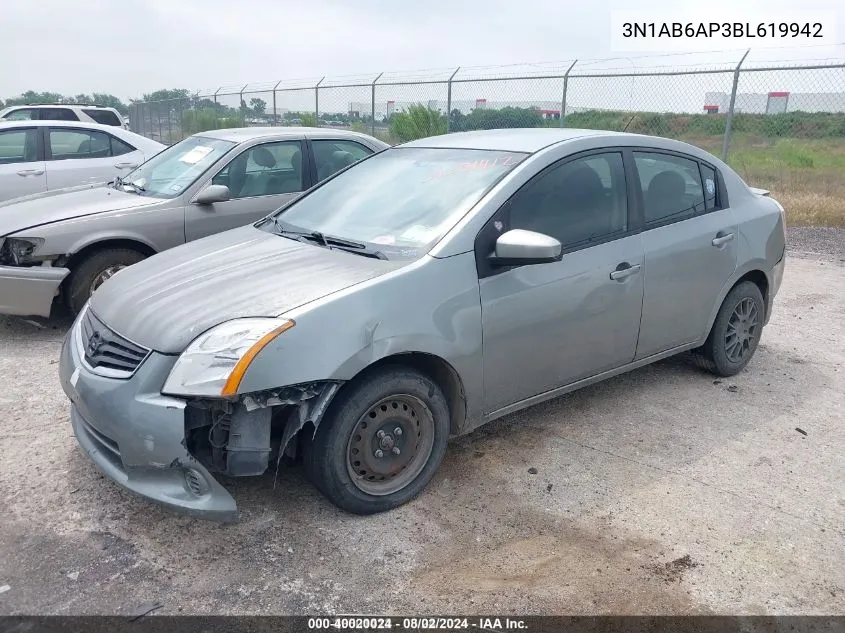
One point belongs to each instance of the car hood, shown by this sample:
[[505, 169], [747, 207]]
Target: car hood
[[165, 302], [20, 214]]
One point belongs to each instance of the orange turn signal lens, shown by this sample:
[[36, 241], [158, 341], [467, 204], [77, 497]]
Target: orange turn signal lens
[[233, 383]]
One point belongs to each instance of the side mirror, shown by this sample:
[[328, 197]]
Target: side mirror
[[212, 194], [519, 248]]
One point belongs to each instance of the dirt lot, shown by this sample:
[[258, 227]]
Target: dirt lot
[[661, 491]]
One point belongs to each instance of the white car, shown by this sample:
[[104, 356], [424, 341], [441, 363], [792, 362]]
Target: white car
[[39, 156], [65, 112]]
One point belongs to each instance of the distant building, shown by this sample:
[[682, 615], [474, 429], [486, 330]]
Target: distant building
[[775, 102]]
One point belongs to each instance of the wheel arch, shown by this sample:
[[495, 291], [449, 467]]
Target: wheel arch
[[93, 246], [753, 273], [440, 371]]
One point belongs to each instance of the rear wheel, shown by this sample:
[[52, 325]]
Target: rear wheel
[[736, 331], [381, 441], [93, 271]]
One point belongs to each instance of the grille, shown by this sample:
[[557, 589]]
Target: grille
[[105, 349]]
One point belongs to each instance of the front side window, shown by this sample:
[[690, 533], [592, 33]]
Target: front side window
[[24, 114], [671, 187], [577, 202], [18, 146], [264, 170], [58, 114], [67, 144], [331, 156], [169, 173], [399, 202]]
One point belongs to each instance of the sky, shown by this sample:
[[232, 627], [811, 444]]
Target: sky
[[128, 47]]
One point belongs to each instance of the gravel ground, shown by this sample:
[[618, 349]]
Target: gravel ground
[[660, 491], [817, 240]]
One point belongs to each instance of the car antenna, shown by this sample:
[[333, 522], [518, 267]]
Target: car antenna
[[625, 129]]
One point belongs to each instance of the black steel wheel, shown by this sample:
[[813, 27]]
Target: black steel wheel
[[736, 331], [380, 442]]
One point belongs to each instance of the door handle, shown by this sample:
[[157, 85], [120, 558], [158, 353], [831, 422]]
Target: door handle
[[721, 239], [624, 270], [126, 165], [31, 172]]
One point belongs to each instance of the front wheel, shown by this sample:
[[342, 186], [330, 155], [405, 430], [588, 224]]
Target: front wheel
[[381, 441], [92, 271], [736, 331]]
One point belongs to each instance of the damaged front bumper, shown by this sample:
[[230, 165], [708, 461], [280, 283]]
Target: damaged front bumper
[[137, 437], [29, 291]]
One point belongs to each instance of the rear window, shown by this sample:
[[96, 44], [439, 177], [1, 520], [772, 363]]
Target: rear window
[[104, 117]]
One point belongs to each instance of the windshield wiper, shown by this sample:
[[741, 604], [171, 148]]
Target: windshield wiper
[[118, 183], [328, 241]]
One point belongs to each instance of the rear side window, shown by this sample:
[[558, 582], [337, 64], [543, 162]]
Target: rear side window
[[58, 114], [104, 117], [331, 156], [18, 146], [671, 187], [708, 177], [24, 114], [65, 144], [118, 147]]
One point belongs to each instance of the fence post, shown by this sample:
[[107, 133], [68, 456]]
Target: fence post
[[317, 102], [242, 105], [563, 96], [275, 115], [169, 127], [726, 142], [373, 106], [449, 99], [216, 114]]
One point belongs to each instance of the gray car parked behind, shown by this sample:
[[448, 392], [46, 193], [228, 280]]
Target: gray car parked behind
[[427, 290], [210, 182]]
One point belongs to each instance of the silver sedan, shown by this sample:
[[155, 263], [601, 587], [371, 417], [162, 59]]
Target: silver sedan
[[69, 242], [427, 290]]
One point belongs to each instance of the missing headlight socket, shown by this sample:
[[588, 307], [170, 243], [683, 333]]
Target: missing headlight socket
[[237, 437]]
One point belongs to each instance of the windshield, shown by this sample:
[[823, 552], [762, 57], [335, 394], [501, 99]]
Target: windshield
[[401, 201], [168, 174]]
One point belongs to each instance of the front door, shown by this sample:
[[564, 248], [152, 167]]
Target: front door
[[690, 244], [548, 325], [260, 180], [22, 170]]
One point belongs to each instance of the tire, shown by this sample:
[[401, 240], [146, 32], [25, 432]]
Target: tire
[[371, 409], [725, 357], [87, 274]]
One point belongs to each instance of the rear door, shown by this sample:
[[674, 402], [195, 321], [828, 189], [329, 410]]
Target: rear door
[[260, 180], [690, 241], [22, 168], [77, 156]]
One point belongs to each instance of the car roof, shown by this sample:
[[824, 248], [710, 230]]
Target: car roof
[[244, 134], [29, 106], [38, 123], [527, 140]]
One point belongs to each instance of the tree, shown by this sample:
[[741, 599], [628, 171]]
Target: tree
[[259, 106], [309, 119], [166, 95], [418, 121]]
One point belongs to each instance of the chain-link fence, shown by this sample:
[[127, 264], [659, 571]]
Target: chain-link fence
[[781, 126]]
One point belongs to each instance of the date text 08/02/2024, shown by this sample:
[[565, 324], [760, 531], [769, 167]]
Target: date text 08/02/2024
[[417, 623]]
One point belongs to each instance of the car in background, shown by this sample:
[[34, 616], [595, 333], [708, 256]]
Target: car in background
[[39, 156], [65, 112], [429, 289], [213, 181]]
